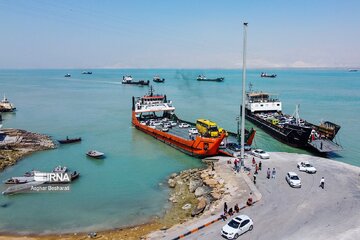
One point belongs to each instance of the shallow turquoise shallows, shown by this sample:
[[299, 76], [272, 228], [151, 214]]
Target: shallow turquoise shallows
[[129, 185]]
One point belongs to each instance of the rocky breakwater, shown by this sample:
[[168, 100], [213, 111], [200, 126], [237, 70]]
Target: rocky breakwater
[[195, 191], [16, 143]]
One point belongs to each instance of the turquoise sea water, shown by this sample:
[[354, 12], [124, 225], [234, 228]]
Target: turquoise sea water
[[129, 185]]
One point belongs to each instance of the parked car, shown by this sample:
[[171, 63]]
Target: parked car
[[167, 125], [237, 226], [236, 147], [184, 125], [293, 179], [173, 123], [261, 154], [164, 129], [193, 131], [306, 167]]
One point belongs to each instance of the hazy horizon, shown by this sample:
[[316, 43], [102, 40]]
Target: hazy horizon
[[186, 34]]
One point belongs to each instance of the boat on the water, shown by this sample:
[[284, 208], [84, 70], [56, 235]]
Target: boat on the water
[[19, 180], [86, 72], [153, 113], [158, 79], [69, 140], [67, 75], [353, 70], [95, 154], [129, 80], [6, 106], [203, 78], [264, 74], [21, 187], [60, 169], [265, 111]]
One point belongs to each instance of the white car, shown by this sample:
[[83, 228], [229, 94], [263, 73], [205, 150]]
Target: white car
[[184, 125], [167, 125], [293, 179], [306, 167], [261, 154], [193, 131], [237, 226], [172, 123]]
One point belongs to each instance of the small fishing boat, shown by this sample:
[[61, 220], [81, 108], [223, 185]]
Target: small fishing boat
[[95, 154], [60, 169], [263, 74], [85, 72], [203, 78], [69, 140], [74, 175], [67, 75], [353, 70], [158, 79], [19, 180], [6, 106]]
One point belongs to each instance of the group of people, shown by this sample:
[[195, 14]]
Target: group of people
[[229, 211]]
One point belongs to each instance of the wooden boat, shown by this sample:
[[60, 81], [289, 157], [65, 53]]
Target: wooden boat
[[95, 154], [203, 78], [74, 175], [69, 140]]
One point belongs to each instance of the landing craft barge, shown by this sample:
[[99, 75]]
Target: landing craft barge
[[155, 115], [203, 78], [130, 80], [266, 112]]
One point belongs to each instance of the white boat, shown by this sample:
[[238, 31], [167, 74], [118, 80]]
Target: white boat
[[95, 154], [6, 106], [60, 169], [21, 187]]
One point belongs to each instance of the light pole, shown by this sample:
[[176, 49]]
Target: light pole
[[243, 99]]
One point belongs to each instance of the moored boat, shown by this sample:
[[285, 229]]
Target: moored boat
[[19, 180], [263, 74], [69, 140], [203, 78], [265, 111], [67, 75], [95, 154], [152, 113], [86, 72], [6, 106]]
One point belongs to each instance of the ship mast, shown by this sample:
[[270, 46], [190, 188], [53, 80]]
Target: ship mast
[[243, 98]]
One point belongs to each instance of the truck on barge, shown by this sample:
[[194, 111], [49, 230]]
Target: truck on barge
[[154, 114], [265, 112]]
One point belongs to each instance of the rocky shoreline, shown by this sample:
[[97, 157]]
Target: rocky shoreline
[[16, 144]]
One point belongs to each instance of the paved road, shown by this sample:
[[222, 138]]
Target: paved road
[[306, 213]]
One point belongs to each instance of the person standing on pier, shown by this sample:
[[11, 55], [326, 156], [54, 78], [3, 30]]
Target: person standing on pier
[[322, 183], [273, 173], [260, 165], [268, 173], [225, 208]]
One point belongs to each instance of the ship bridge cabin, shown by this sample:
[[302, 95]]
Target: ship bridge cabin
[[262, 102]]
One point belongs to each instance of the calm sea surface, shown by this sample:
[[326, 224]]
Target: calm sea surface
[[129, 185]]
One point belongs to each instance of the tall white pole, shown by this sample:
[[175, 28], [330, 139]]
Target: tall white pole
[[243, 97]]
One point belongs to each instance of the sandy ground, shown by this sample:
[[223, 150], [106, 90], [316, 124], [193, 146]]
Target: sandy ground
[[287, 213]]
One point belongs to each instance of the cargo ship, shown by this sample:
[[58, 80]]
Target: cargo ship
[[154, 114], [265, 111]]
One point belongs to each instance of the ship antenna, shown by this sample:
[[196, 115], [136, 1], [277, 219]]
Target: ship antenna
[[243, 98], [296, 114]]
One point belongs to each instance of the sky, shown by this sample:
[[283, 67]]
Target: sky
[[178, 33]]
